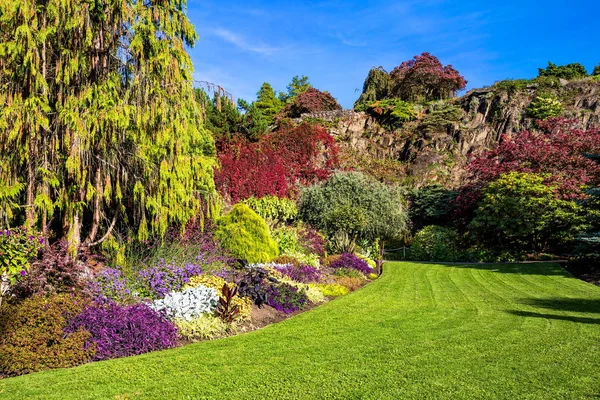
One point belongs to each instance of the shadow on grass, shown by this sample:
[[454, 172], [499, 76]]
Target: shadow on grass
[[581, 320], [534, 268], [564, 304]]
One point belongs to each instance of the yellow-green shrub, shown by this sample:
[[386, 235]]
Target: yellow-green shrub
[[203, 328], [331, 290], [314, 294], [372, 276], [246, 235]]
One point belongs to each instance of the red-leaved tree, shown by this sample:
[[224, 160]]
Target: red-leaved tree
[[277, 163], [557, 150], [424, 77]]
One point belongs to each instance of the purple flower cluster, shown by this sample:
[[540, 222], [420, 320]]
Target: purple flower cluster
[[110, 285], [348, 260], [286, 298], [119, 331], [156, 282], [303, 273]]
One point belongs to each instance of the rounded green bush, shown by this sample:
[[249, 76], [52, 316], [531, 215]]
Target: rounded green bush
[[246, 235], [436, 243]]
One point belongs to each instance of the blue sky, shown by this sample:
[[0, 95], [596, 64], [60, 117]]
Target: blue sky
[[245, 43]]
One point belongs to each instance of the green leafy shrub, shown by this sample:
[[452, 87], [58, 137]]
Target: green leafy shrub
[[287, 239], [246, 235], [442, 116], [391, 112], [33, 337], [519, 211], [512, 85], [569, 71], [331, 289], [204, 327], [274, 210], [545, 106], [355, 206], [435, 243], [17, 248]]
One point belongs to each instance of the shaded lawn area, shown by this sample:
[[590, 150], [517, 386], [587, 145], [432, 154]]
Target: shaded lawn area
[[526, 331]]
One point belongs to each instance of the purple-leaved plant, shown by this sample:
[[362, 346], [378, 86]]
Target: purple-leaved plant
[[120, 331], [157, 281], [348, 260], [110, 285], [286, 298], [303, 273]]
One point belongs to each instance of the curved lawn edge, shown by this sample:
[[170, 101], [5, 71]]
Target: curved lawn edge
[[420, 330]]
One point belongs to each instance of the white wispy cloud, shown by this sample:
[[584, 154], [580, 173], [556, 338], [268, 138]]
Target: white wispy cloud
[[246, 45]]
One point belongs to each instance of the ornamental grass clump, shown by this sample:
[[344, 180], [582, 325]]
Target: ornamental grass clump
[[188, 304], [348, 260], [120, 331]]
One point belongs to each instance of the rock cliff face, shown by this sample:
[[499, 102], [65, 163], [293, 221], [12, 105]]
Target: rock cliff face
[[437, 152]]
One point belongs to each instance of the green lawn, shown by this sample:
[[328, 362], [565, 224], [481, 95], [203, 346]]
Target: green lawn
[[420, 331]]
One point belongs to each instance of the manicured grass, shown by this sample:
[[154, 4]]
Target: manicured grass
[[420, 331]]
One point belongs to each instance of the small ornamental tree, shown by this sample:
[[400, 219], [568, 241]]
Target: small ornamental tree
[[310, 101], [521, 211], [425, 78], [246, 235], [568, 72], [355, 206]]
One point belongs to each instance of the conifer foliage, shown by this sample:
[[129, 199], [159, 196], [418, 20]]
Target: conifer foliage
[[98, 122]]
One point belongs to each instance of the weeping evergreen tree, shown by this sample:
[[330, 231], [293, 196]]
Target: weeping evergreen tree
[[99, 129]]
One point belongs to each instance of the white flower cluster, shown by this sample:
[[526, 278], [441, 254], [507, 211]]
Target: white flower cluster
[[189, 304]]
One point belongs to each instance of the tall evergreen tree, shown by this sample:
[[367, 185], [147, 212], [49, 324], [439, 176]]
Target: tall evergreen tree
[[98, 124]]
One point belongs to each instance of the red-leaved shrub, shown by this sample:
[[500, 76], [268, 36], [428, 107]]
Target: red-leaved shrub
[[277, 163]]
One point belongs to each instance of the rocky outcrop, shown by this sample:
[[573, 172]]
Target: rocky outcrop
[[437, 152]]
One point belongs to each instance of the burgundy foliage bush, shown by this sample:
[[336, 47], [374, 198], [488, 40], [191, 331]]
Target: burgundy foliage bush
[[310, 101], [277, 163], [348, 260], [119, 331], [425, 76], [53, 272]]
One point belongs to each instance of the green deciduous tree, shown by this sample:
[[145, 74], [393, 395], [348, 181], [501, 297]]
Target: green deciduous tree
[[355, 206], [99, 127], [520, 211]]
